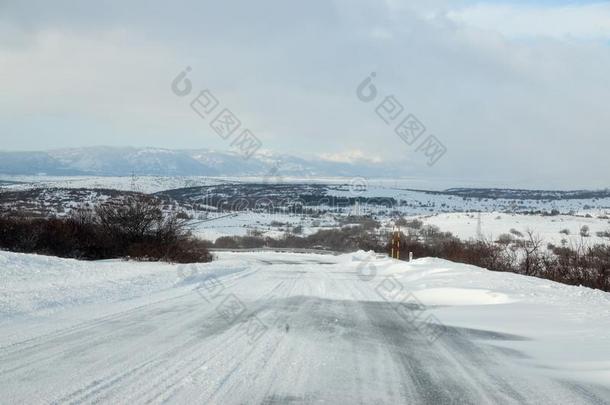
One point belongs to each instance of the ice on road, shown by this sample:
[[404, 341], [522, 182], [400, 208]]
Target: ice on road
[[279, 328]]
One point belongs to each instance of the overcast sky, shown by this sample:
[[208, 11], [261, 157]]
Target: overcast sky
[[517, 91]]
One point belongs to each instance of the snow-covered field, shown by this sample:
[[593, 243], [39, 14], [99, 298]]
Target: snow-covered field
[[452, 213], [493, 224], [153, 184], [404, 191], [244, 223], [278, 328], [148, 184]]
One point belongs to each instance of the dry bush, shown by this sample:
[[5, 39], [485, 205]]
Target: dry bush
[[133, 227]]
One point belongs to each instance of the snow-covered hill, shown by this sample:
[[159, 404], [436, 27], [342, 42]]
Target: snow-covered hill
[[550, 229], [263, 328]]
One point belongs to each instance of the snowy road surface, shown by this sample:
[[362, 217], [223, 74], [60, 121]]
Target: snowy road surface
[[279, 328]]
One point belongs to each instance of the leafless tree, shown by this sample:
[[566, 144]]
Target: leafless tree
[[530, 247], [131, 218]]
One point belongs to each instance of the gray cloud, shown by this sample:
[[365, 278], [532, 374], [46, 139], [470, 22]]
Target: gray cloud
[[527, 110]]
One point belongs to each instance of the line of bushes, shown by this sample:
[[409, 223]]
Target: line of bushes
[[345, 239], [136, 227], [131, 227], [587, 265]]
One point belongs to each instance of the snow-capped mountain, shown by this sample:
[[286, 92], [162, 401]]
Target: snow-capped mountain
[[31, 163], [104, 160], [124, 161]]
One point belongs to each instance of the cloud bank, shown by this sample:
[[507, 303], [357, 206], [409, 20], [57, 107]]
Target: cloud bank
[[516, 91]]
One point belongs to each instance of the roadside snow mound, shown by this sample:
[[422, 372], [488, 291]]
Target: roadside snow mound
[[32, 283]]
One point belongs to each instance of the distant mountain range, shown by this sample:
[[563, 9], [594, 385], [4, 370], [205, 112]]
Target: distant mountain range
[[115, 161]]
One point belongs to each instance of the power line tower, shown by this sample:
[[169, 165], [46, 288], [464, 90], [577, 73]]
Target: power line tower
[[479, 228], [134, 182]]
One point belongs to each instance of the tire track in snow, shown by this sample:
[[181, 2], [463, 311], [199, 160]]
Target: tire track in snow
[[183, 371], [100, 390], [52, 347], [265, 357]]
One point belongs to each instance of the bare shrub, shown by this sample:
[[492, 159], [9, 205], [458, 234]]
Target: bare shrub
[[134, 227], [505, 239], [516, 233]]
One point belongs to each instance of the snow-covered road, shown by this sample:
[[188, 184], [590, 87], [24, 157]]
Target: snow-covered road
[[279, 328]]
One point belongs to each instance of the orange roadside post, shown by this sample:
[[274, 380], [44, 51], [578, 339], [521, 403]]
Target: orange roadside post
[[398, 244], [395, 251]]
